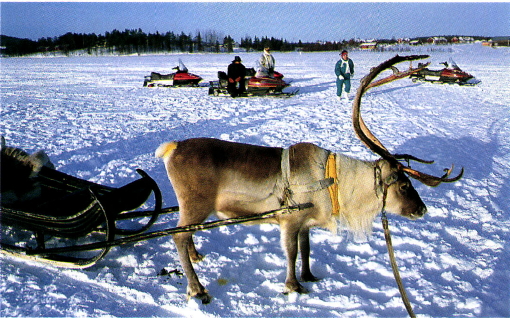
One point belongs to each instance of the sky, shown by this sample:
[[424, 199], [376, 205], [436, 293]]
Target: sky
[[292, 21]]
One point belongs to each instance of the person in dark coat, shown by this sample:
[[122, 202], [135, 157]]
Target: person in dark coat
[[236, 74]]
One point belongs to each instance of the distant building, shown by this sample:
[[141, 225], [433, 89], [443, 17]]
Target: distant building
[[437, 40], [368, 45], [498, 41]]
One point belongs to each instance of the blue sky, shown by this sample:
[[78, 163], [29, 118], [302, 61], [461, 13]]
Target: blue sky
[[293, 21]]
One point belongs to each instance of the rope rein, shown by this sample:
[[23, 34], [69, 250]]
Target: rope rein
[[391, 253]]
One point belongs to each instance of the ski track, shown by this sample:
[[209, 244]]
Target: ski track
[[96, 121]]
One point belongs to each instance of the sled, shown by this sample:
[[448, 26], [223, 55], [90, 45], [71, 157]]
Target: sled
[[255, 86], [70, 209]]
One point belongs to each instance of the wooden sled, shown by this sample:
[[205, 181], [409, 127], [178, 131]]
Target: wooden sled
[[70, 209]]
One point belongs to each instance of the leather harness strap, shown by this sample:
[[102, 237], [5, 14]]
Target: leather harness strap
[[331, 173], [329, 182]]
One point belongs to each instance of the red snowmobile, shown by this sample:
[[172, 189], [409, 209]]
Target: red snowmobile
[[255, 85], [450, 74], [178, 79]]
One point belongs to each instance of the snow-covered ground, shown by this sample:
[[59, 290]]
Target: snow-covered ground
[[96, 121]]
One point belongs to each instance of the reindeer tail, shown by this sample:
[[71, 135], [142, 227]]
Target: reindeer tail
[[165, 149]]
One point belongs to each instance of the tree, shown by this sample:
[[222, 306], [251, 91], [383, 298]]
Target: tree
[[198, 42], [228, 42]]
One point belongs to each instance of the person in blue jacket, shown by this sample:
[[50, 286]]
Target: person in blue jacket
[[344, 70]]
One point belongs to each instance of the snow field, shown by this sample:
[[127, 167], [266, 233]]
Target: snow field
[[96, 121]]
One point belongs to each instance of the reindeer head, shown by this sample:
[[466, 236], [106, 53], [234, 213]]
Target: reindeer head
[[399, 195]]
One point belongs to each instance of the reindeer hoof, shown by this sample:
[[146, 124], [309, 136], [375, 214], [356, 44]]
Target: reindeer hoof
[[309, 278], [290, 288], [202, 296]]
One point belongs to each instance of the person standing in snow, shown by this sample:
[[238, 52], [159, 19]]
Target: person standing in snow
[[344, 70], [236, 73], [266, 64]]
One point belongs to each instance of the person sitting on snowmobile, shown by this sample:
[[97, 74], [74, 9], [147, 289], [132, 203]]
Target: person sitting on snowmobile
[[236, 73], [266, 64]]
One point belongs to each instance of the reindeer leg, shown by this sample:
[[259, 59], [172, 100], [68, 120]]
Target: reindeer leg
[[289, 237], [191, 214], [195, 288], [194, 255], [304, 248]]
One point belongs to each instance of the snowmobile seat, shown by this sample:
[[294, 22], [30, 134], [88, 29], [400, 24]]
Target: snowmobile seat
[[222, 76], [157, 76]]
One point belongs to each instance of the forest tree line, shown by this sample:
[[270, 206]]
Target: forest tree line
[[139, 42]]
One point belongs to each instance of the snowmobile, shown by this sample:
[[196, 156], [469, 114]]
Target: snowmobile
[[180, 78], [450, 74], [256, 85]]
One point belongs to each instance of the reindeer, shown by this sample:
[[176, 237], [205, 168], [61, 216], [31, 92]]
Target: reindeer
[[211, 176], [18, 174]]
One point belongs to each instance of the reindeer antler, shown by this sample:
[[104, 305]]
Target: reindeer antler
[[366, 136]]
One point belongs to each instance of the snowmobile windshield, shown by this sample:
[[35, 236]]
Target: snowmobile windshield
[[182, 67], [453, 65]]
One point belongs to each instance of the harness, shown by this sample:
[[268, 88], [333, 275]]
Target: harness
[[333, 189], [330, 182]]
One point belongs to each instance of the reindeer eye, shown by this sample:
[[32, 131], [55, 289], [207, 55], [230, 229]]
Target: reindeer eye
[[404, 187]]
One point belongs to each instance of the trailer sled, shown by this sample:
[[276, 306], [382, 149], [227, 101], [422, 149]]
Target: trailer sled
[[70, 210]]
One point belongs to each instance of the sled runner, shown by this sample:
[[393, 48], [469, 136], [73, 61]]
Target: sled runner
[[178, 79], [255, 86]]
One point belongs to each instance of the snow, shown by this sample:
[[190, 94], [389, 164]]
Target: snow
[[96, 121]]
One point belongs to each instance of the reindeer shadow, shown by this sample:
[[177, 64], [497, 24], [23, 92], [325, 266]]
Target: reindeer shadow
[[478, 203], [470, 153]]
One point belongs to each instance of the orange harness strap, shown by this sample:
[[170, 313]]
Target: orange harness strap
[[333, 189]]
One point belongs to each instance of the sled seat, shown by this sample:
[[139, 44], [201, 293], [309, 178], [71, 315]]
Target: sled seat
[[71, 207]]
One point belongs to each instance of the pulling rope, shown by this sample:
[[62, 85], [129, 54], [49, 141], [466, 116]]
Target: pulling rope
[[391, 253], [394, 266], [171, 231]]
